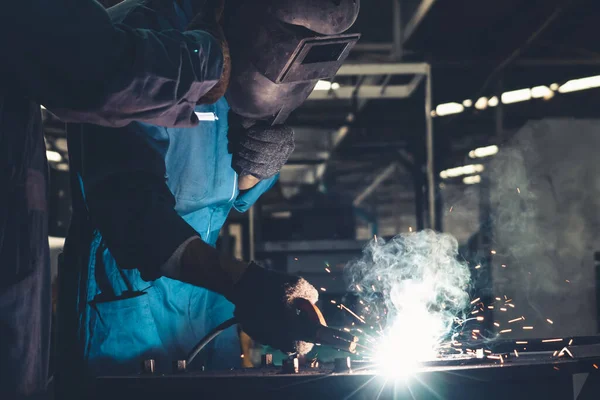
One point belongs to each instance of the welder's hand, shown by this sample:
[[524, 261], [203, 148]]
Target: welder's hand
[[259, 150], [264, 301]]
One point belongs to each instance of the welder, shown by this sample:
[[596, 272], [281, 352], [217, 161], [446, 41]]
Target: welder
[[69, 56], [154, 199]]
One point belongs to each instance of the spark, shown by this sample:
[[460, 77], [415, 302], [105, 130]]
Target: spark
[[241, 356], [375, 237], [379, 278], [328, 270], [570, 342], [361, 302], [410, 228], [518, 190], [568, 281], [515, 320], [347, 330], [516, 353], [343, 307], [521, 342], [476, 300], [295, 258], [595, 366], [479, 318], [488, 351], [478, 266], [568, 352], [501, 359], [475, 330], [511, 305], [498, 298], [474, 337], [552, 340], [451, 208], [549, 321], [493, 251], [491, 307], [555, 353], [528, 328], [497, 324], [457, 344], [358, 288], [556, 368], [323, 289], [503, 265], [474, 312], [333, 302], [506, 331], [502, 309]]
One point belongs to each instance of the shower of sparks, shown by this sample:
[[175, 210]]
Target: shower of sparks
[[549, 321], [476, 300], [515, 320], [527, 328], [552, 340], [343, 307]]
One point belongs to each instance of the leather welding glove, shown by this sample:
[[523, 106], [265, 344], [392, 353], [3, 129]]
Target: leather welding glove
[[259, 150], [209, 19], [263, 299]]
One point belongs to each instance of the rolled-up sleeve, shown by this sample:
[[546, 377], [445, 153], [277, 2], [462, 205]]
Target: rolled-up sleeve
[[70, 57]]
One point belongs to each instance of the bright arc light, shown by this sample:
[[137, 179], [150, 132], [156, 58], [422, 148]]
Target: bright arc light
[[471, 180], [540, 92], [580, 84], [53, 156], [325, 85], [481, 103], [493, 101], [482, 152], [449, 108], [516, 96], [464, 170]]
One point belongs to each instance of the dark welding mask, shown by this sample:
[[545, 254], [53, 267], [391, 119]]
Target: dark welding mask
[[281, 48]]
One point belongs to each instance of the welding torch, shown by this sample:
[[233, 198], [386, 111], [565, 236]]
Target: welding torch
[[308, 326]]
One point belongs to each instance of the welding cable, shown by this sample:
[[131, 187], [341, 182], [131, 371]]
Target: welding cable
[[209, 337]]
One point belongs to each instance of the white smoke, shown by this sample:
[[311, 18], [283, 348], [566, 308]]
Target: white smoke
[[418, 288]]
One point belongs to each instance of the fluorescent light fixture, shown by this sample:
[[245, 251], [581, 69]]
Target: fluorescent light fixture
[[449, 108], [539, 92], [464, 170], [482, 152], [516, 96], [471, 180], [493, 101], [53, 156], [580, 84], [326, 85], [468, 103], [481, 103]]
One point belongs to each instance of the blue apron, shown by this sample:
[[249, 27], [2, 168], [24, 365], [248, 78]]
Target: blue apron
[[167, 317]]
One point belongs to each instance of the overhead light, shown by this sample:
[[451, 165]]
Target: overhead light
[[554, 86], [449, 108], [516, 96], [468, 103], [493, 101], [464, 170], [580, 84], [326, 85], [540, 92], [482, 152], [481, 103], [471, 180], [53, 156]]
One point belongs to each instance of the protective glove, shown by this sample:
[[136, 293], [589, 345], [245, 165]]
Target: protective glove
[[259, 149], [264, 301], [209, 20]]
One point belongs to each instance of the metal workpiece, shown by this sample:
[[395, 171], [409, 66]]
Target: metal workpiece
[[179, 366], [266, 360], [290, 366], [343, 364], [148, 366]]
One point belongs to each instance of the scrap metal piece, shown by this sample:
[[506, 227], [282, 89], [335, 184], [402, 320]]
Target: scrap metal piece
[[148, 366], [342, 365]]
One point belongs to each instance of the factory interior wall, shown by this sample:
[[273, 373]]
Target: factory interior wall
[[545, 200]]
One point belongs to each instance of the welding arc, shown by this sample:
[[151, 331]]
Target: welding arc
[[209, 337]]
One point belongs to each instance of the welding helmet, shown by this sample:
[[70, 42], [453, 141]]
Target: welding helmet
[[281, 48]]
